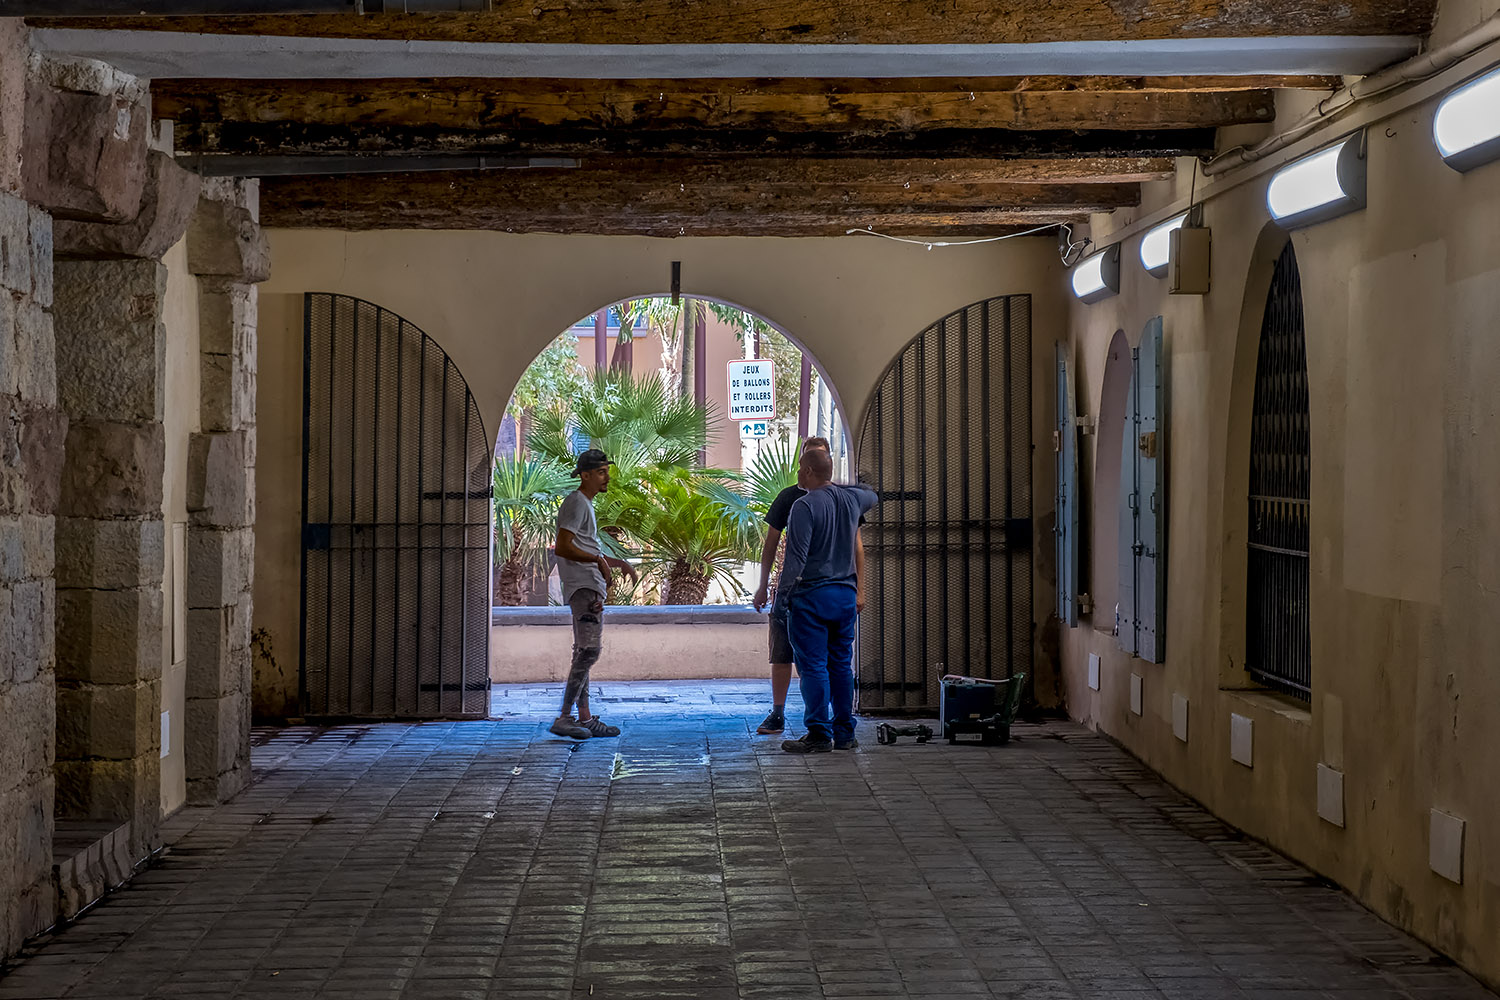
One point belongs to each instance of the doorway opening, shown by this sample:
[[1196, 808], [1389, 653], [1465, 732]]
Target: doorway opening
[[648, 381]]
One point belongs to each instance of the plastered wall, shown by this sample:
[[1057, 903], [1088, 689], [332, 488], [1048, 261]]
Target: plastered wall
[[493, 301], [180, 317], [1402, 312]]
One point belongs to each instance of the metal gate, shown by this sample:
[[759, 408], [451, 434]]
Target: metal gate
[[948, 552], [1278, 628], [395, 521]]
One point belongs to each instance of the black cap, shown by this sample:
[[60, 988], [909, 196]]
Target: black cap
[[592, 459]]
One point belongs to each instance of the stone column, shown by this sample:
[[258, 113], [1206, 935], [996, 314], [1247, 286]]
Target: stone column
[[111, 346], [32, 430], [228, 253]]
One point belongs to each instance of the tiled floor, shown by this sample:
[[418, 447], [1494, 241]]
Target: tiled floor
[[690, 859]]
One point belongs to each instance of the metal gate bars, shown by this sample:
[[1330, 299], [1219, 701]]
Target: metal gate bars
[[395, 521], [1278, 624], [948, 552]]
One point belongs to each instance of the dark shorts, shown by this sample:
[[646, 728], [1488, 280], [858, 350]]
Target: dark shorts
[[781, 646]]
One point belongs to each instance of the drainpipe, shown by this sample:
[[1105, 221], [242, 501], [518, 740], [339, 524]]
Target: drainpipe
[[601, 340], [1416, 68], [700, 366], [803, 400]]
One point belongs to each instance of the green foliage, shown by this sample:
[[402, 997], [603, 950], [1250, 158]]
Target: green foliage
[[528, 494], [688, 520], [554, 375], [661, 510], [773, 470], [635, 420]]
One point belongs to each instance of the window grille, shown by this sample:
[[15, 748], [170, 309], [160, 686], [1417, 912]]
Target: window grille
[[1278, 649]]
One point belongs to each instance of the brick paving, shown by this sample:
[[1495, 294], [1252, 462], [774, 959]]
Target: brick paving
[[691, 859]]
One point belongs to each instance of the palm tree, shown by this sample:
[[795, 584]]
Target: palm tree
[[527, 496], [636, 421], [696, 529], [690, 526]]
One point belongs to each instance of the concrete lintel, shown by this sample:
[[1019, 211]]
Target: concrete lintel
[[259, 57], [666, 614]]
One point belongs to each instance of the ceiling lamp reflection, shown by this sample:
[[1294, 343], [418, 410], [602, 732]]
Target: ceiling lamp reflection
[[1466, 127], [1319, 186], [1098, 275], [1157, 244]]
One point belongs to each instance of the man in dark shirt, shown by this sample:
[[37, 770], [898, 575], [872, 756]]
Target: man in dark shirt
[[781, 646], [819, 590]]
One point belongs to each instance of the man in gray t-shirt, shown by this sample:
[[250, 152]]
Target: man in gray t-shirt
[[583, 569]]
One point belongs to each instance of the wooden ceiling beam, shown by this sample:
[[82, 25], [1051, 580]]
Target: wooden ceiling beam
[[279, 214], [796, 21], [527, 201], [476, 105], [774, 170], [303, 139], [462, 196]]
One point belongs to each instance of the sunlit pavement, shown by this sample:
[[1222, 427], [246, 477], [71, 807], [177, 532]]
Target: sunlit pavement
[[691, 858]]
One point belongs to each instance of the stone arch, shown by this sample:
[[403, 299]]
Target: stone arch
[[1268, 247]]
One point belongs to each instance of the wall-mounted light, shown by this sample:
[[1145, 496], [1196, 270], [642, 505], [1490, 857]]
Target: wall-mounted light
[[1156, 244], [1466, 127], [1320, 185], [1097, 276]]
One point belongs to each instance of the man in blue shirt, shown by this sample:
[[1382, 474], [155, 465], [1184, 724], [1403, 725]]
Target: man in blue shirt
[[819, 586]]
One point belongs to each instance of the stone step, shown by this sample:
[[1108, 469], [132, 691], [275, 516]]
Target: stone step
[[89, 857]]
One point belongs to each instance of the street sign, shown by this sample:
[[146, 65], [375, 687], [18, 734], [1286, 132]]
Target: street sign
[[755, 429], [752, 390]]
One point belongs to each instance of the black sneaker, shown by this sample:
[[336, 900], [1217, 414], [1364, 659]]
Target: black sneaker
[[807, 745], [773, 723], [569, 727], [598, 727], [850, 744]]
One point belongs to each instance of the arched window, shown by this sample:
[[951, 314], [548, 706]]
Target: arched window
[[1278, 648]]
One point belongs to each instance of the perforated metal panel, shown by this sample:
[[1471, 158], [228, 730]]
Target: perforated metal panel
[[396, 521], [948, 552], [1143, 503], [1278, 622], [1065, 446]]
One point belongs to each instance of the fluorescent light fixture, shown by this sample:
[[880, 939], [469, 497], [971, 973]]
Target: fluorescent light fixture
[[1319, 186], [1156, 244], [1097, 276], [1466, 127]]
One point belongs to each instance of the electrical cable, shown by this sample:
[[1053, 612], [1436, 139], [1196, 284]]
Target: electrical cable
[[929, 244]]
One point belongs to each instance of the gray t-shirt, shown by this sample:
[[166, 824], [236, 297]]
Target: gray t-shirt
[[577, 516]]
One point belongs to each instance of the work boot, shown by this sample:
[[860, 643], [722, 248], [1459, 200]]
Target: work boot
[[850, 744], [598, 727], [807, 744], [773, 723], [568, 726]]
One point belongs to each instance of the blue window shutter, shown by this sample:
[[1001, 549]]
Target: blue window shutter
[[1066, 451], [1125, 614], [1151, 452]]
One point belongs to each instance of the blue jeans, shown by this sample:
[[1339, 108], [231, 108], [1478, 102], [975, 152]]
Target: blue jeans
[[821, 625]]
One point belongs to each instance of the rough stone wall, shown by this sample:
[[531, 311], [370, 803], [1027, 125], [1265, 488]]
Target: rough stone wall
[[228, 253], [32, 429], [111, 371]]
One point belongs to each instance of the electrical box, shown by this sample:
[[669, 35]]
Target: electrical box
[[1189, 260]]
